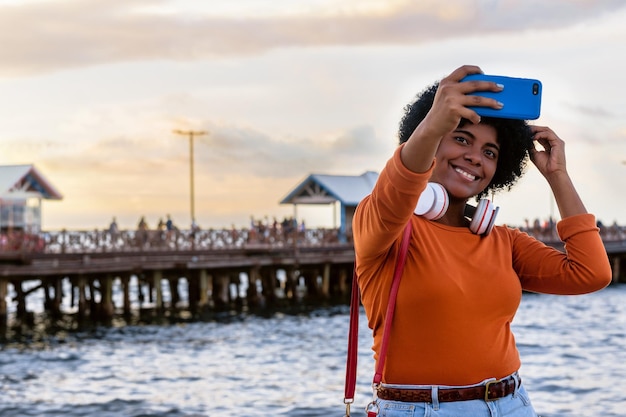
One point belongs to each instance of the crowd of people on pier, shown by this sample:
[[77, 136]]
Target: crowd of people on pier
[[260, 231], [264, 231], [546, 230]]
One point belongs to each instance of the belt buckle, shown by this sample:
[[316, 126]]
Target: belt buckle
[[487, 385]]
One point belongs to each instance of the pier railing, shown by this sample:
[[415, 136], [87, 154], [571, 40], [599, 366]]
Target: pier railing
[[65, 242], [90, 241]]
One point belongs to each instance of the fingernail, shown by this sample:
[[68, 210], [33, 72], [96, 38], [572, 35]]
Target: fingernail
[[500, 104], [500, 85]]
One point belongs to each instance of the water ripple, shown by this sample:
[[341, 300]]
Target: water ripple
[[573, 352]]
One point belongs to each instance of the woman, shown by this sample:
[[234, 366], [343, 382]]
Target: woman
[[451, 337]]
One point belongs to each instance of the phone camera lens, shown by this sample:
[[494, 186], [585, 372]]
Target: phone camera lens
[[535, 89]]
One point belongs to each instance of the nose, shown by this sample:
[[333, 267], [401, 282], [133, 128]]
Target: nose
[[473, 155]]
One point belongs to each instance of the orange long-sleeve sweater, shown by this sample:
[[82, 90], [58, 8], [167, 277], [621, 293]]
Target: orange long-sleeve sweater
[[459, 292]]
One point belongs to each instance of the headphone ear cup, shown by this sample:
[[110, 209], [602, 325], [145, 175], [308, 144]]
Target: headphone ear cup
[[484, 217], [433, 201], [493, 220]]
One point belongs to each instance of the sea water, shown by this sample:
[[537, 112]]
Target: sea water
[[573, 351]]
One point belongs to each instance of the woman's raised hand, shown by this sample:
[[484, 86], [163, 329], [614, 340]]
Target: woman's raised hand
[[450, 105], [452, 101], [550, 160]]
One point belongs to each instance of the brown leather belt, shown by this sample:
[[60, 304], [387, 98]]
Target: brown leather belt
[[492, 390]]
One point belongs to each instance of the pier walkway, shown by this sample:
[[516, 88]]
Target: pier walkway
[[79, 272]]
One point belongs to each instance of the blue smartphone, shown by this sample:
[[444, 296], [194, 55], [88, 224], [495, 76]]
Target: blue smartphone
[[521, 97]]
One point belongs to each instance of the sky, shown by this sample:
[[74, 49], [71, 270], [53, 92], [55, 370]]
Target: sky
[[93, 90]]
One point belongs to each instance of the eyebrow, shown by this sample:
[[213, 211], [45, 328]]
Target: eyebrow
[[489, 144]]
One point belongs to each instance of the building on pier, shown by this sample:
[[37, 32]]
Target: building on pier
[[346, 190], [22, 189]]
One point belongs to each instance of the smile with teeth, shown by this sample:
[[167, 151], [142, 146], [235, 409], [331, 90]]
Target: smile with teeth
[[465, 174]]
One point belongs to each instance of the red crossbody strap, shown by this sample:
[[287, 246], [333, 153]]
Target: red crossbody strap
[[353, 342], [353, 334], [391, 306]]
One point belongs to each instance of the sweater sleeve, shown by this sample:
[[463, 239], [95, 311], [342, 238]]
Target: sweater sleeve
[[377, 226], [582, 268], [381, 216]]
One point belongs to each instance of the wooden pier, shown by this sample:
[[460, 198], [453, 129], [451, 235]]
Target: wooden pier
[[280, 270], [148, 269]]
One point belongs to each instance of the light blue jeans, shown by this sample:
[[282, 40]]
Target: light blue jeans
[[514, 405]]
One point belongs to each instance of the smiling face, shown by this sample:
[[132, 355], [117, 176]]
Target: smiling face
[[466, 160]]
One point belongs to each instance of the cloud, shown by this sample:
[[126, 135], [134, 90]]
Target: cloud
[[285, 89], [225, 151], [238, 171], [56, 35], [596, 111], [268, 156]]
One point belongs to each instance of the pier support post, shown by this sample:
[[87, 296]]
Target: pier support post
[[157, 276], [268, 280], [325, 290], [173, 285], [616, 271], [291, 284], [220, 291], [93, 306], [54, 301], [107, 309], [193, 290], [312, 286], [82, 296], [20, 298], [203, 299], [4, 291], [72, 292], [235, 279], [141, 297], [343, 284], [252, 294], [125, 281]]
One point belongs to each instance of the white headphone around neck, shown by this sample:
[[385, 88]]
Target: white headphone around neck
[[434, 202]]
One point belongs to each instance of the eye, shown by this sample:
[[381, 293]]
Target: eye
[[461, 139], [491, 154]]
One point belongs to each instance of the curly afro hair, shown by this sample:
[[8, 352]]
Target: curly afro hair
[[514, 137]]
